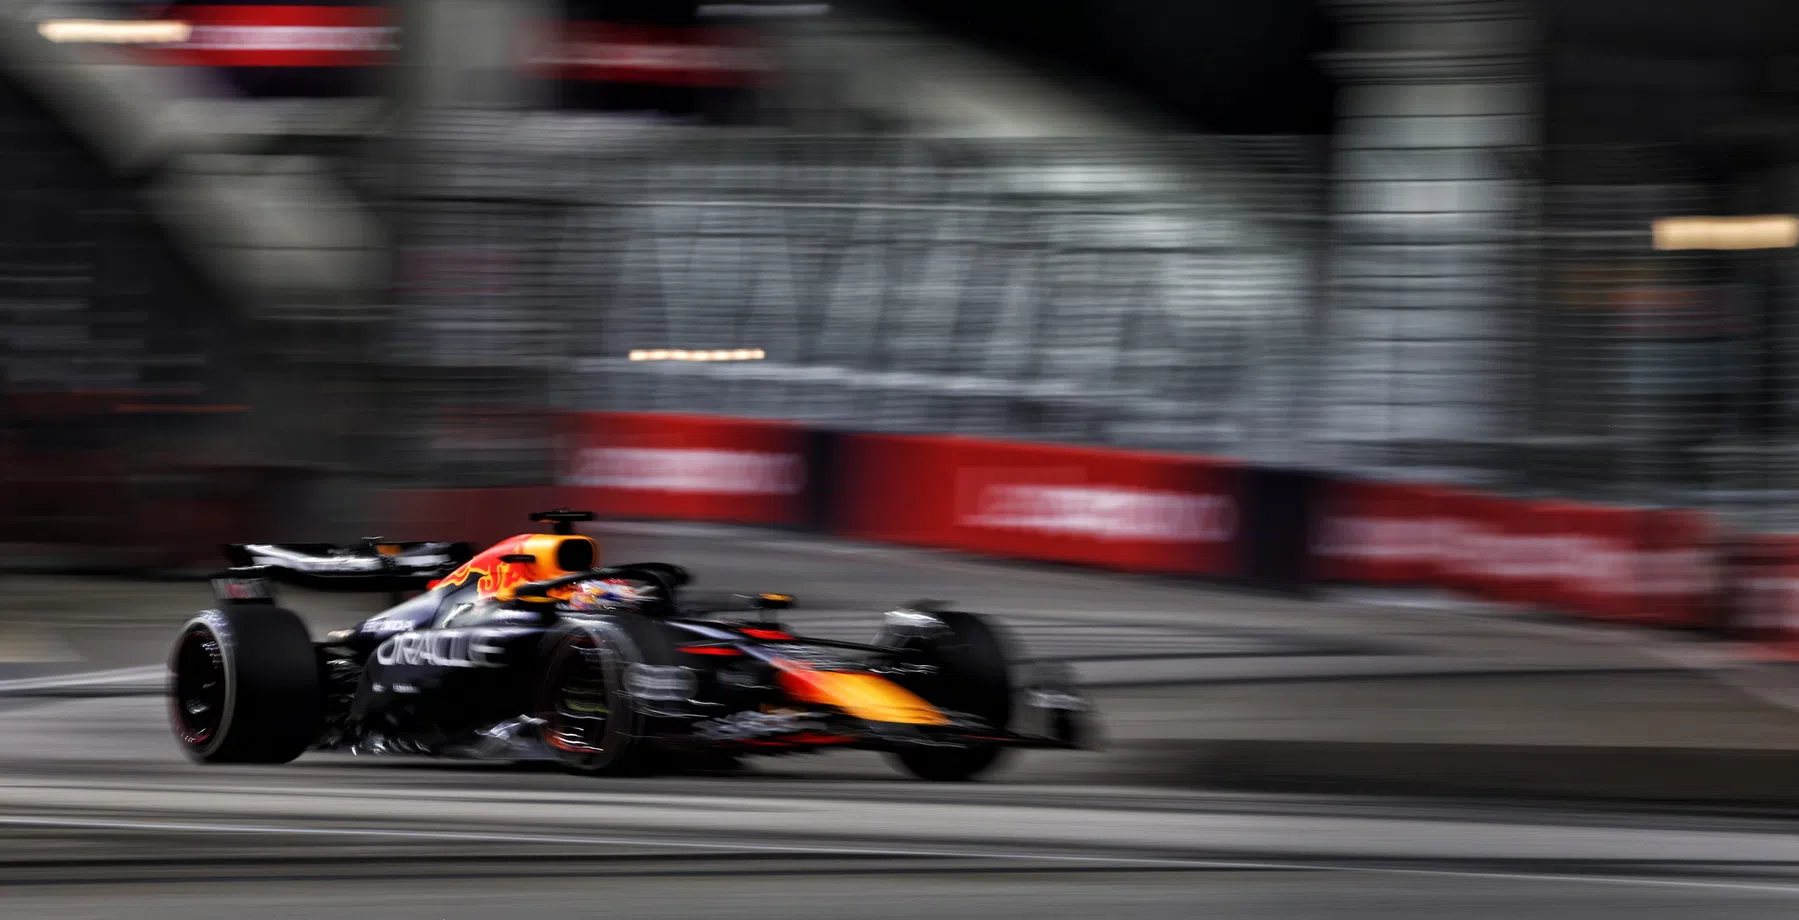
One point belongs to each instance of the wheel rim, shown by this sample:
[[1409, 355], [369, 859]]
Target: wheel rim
[[199, 697], [577, 698]]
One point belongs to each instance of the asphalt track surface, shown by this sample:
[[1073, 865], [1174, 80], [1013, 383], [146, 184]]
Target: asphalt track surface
[[101, 817]]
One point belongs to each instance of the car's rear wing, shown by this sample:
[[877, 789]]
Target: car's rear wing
[[366, 565]]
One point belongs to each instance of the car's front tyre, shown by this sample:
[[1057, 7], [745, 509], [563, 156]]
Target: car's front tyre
[[970, 673]]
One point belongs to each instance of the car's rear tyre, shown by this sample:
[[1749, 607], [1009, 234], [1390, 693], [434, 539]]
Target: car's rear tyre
[[591, 723], [244, 686], [971, 658]]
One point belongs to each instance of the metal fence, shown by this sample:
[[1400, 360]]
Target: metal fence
[[1153, 295], [1208, 295], [1196, 294], [1658, 376], [1431, 267]]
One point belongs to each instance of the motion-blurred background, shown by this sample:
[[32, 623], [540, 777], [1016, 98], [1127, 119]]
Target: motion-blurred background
[[1469, 321], [260, 262]]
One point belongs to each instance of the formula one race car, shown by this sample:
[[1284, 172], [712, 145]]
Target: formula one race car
[[529, 650]]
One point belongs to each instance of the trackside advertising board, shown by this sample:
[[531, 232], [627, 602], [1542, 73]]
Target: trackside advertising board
[[1652, 567], [684, 467], [1147, 512], [328, 48], [1763, 591], [1381, 533], [1115, 509], [280, 35]]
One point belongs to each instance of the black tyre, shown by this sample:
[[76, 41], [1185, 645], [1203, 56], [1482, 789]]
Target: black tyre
[[972, 676], [591, 723], [244, 686]]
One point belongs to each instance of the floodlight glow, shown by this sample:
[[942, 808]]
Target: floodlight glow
[[114, 32], [681, 354], [1770, 231]]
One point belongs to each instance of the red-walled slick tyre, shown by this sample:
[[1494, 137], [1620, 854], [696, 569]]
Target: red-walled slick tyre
[[244, 686]]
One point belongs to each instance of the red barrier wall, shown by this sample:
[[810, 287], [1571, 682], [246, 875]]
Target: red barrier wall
[[1121, 510], [700, 468], [1116, 509], [1598, 553], [312, 35], [1475, 531], [1140, 512], [1761, 591], [1609, 563], [1680, 578], [280, 35], [1382, 533]]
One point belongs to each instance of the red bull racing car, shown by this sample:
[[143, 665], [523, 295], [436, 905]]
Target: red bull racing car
[[532, 650]]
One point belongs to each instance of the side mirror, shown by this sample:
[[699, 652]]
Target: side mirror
[[535, 591]]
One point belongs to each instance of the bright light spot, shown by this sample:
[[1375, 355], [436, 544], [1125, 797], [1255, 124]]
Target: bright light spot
[[1774, 231], [721, 354], [114, 32]]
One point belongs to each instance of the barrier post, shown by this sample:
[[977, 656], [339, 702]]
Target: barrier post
[[1276, 508]]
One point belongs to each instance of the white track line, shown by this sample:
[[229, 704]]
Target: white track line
[[145, 674], [1121, 862]]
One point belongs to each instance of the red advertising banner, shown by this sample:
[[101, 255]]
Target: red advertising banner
[[1597, 552], [1383, 533], [279, 35], [1474, 532], [1611, 563], [1679, 578], [701, 468], [1633, 565], [1761, 592], [363, 35], [1116, 509], [889, 489], [1525, 553]]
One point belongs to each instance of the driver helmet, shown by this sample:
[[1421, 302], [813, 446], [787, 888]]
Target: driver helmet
[[610, 594]]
